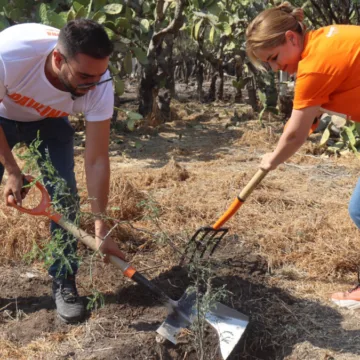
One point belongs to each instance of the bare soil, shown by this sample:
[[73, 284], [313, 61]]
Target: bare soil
[[289, 246]]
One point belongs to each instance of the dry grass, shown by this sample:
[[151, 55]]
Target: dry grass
[[36, 350], [296, 219], [125, 198], [170, 174]]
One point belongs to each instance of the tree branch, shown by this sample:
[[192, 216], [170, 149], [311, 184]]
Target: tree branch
[[160, 11], [175, 24], [322, 15]]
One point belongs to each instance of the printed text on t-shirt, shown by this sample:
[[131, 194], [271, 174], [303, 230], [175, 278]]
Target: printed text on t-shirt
[[43, 110]]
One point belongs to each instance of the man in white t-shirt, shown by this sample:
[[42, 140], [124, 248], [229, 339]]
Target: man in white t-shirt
[[46, 75]]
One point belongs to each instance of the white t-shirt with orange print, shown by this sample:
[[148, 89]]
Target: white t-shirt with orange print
[[27, 94]]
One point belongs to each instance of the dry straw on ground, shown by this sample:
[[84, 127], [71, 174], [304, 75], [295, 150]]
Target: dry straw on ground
[[292, 219], [168, 175], [125, 198], [296, 221]]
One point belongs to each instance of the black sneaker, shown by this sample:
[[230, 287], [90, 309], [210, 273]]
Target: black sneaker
[[69, 306]]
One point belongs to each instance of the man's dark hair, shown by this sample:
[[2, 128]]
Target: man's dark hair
[[84, 36]]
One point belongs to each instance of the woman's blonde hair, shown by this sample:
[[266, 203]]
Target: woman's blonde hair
[[268, 29]]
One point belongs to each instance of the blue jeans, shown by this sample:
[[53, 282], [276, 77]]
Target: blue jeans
[[57, 137], [354, 205]]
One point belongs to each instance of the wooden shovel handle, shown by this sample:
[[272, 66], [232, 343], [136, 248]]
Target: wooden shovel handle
[[127, 269], [45, 209]]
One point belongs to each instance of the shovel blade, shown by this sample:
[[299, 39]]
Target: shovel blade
[[180, 317], [229, 324]]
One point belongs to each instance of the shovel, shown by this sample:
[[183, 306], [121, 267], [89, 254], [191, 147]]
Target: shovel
[[207, 238], [228, 323]]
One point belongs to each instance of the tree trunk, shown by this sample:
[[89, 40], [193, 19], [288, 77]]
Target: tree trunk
[[147, 85], [200, 80], [251, 88], [157, 84], [238, 74], [212, 90], [167, 63], [221, 83]]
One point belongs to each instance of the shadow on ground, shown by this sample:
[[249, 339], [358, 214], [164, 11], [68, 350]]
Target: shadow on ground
[[278, 320]]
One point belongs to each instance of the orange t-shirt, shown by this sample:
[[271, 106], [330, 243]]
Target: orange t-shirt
[[329, 70]]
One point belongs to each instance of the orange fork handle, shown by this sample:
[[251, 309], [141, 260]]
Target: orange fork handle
[[248, 189], [315, 125], [44, 208], [228, 214]]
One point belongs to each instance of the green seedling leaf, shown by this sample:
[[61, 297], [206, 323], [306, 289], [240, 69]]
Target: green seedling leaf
[[227, 29], [111, 25], [325, 137], [357, 127], [99, 17], [119, 86], [81, 13], [122, 23], [262, 97], [110, 33], [134, 115], [71, 15], [130, 123], [350, 135], [339, 145], [128, 63], [145, 26], [88, 8], [113, 69], [230, 46], [261, 115], [113, 9], [140, 55], [77, 6], [212, 34], [197, 29], [57, 20], [129, 13]]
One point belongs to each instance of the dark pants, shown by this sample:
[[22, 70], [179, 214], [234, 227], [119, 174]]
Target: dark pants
[[57, 138]]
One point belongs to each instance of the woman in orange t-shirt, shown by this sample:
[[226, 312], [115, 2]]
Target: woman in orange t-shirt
[[327, 66]]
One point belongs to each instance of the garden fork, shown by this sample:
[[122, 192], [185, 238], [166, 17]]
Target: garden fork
[[206, 239]]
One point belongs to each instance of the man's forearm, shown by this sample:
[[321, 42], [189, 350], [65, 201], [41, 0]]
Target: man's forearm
[[6, 156], [97, 179]]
